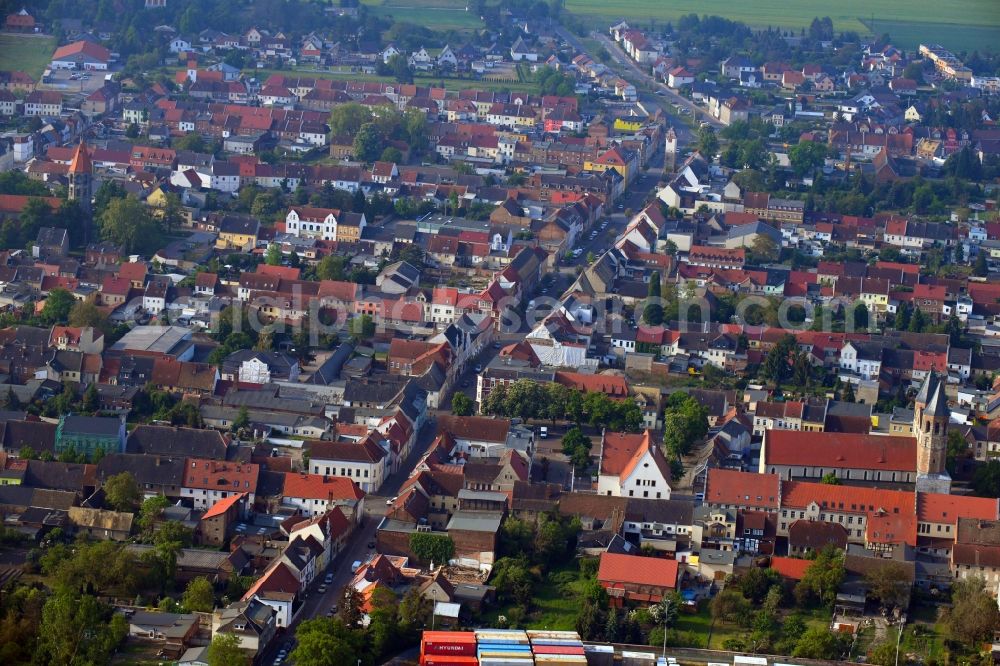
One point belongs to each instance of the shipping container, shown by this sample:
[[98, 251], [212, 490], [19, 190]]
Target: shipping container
[[560, 660], [638, 659], [448, 642], [503, 661], [746, 660], [557, 649], [556, 641], [546, 633], [448, 660]]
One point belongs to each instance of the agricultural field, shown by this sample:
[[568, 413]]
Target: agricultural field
[[434, 14], [26, 53], [959, 25]]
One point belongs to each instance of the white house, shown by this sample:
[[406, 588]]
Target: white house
[[365, 461], [633, 466], [309, 222], [179, 45], [208, 481]]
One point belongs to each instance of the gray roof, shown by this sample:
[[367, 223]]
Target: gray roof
[[932, 396], [91, 425], [476, 521]]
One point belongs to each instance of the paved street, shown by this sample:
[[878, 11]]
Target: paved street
[[316, 604], [638, 77]]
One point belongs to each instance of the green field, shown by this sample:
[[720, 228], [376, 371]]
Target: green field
[[961, 24], [26, 53], [436, 14]]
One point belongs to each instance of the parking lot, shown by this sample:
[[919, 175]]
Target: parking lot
[[74, 82]]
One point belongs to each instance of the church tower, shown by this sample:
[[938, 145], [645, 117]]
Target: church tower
[[80, 177], [930, 427]]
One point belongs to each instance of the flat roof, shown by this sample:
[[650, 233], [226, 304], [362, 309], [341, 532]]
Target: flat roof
[[160, 339]]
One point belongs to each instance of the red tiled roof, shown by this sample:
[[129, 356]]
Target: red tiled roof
[[220, 475], [637, 570], [745, 489], [223, 505], [848, 499], [318, 486], [610, 385], [790, 567], [937, 508], [839, 450]]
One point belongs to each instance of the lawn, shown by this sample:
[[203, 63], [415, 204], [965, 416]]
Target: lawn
[[557, 600], [436, 14], [26, 53], [930, 21], [346, 75]]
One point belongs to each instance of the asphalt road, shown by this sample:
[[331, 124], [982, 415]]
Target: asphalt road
[[316, 604], [635, 75]]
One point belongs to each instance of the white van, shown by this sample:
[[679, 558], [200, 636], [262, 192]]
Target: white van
[[543, 432]]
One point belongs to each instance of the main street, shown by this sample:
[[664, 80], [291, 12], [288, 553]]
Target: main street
[[316, 604]]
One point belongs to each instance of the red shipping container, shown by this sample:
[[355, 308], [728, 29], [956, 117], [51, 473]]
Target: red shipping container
[[557, 649], [448, 660], [448, 643]]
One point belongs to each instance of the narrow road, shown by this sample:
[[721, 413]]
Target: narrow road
[[646, 78], [316, 604]]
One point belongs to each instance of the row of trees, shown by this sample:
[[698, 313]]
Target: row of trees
[[527, 399]]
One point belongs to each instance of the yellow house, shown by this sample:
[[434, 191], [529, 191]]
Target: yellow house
[[875, 302], [237, 233], [623, 125], [157, 199], [611, 159]]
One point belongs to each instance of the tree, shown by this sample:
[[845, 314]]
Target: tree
[[242, 420], [461, 405], [685, 421], [174, 532], [730, 605], [91, 399], [362, 328], [191, 141], [273, 256], [859, 316], [817, 643], [652, 314], [331, 267], [981, 269], [326, 642], [830, 479], [986, 479], [347, 119], [513, 581], [368, 143], [128, 222], [391, 154], [883, 654], [973, 615], [822, 577], [414, 611], [429, 547], [807, 156], [122, 493], [577, 446], [78, 629], [776, 365], [764, 249], [85, 314], [225, 650], [58, 304], [708, 143], [199, 596], [149, 512], [889, 584]]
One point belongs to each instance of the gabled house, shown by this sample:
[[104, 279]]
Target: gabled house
[[632, 466]]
